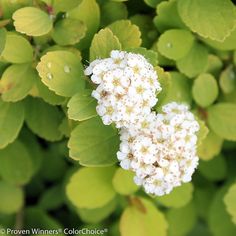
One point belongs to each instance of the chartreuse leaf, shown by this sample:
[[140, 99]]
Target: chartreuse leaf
[[99, 192], [43, 119], [214, 169], [221, 119], [229, 201], [214, 19], [82, 106], [179, 90], [11, 52], [210, 147], [205, 90], [203, 131], [89, 13], [93, 143], [16, 169], [176, 225], [220, 222], [214, 65], [194, 62], [96, 215], [170, 43], [11, 121], [32, 21], [142, 218], [68, 31], [65, 5], [228, 80], [168, 16], [227, 44], [127, 33], [113, 11], [62, 72], [3, 36], [11, 198], [150, 55], [42, 91], [179, 197], [123, 182], [16, 82], [103, 43]]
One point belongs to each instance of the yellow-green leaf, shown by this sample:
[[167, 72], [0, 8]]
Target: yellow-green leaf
[[91, 187], [32, 21]]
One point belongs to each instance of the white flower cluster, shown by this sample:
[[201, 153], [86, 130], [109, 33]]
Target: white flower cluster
[[163, 155], [159, 148], [127, 87]]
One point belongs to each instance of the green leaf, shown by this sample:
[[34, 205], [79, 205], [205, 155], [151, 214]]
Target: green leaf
[[176, 225], [11, 198], [91, 187], [221, 119], [113, 11], [179, 90], [203, 131], [152, 3], [65, 5], [146, 27], [52, 198], [142, 219], [82, 106], [123, 182], [12, 54], [214, 19], [42, 91], [215, 169], [179, 197], [150, 55], [89, 13], [62, 72], [168, 16], [16, 82], [68, 31], [228, 80], [96, 215], [43, 119], [103, 43], [229, 201], [16, 169], [205, 90], [170, 43], [210, 147], [2, 39], [32, 21], [219, 220], [214, 65], [11, 121], [37, 218], [227, 44], [93, 143], [194, 62], [127, 33]]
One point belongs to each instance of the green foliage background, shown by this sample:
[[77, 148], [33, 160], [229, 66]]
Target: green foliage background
[[58, 165]]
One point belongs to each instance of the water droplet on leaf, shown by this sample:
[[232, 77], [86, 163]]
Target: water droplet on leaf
[[67, 69], [169, 45], [49, 64], [49, 76]]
